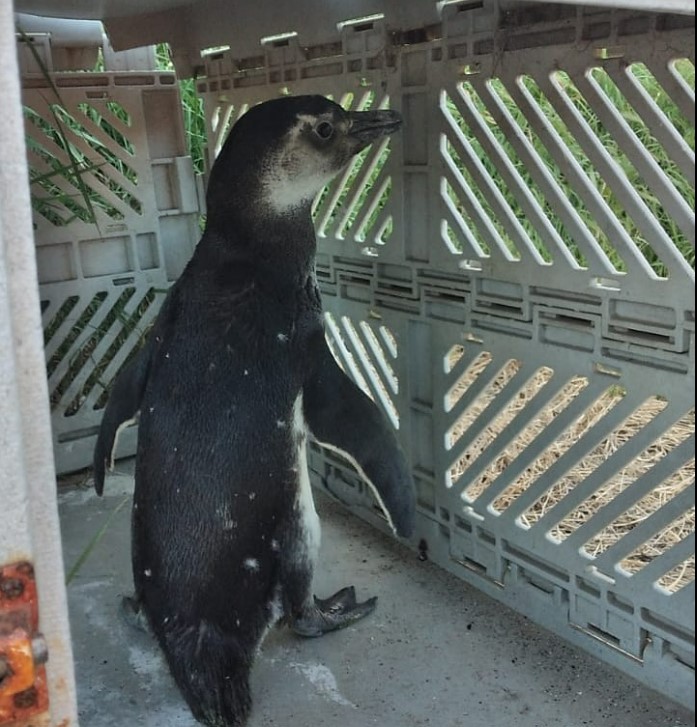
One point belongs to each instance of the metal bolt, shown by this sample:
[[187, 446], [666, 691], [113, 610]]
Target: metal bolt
[[39, 649], [26, 569], [26, 699], [5, 670], [11, 587]]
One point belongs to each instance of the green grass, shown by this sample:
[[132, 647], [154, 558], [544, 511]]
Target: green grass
[[94, 541], [681, 183]]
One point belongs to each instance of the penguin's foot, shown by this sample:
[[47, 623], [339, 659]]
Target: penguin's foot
[[330, 614], [132, 614]]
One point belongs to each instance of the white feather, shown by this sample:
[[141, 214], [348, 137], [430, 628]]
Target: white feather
[[305, 502], [360, 471], [121, 427]]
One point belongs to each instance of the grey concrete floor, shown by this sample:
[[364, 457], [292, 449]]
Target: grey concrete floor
[[435, 653]]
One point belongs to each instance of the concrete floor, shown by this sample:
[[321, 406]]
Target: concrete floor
[[436, 652]]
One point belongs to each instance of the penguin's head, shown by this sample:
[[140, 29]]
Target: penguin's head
[[281, 153]]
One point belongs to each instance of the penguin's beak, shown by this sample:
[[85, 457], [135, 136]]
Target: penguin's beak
[[367, 126]]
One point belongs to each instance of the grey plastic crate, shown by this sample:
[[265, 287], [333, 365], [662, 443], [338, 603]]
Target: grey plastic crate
[[510, 278], [115, 209]]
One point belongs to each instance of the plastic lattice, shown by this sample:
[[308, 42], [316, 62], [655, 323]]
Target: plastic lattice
[[115, 208], [79, 161], [512, 144], [365, 352], [537, 284]]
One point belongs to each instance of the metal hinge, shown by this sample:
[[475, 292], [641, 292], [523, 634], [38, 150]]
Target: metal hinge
[[23, 651]]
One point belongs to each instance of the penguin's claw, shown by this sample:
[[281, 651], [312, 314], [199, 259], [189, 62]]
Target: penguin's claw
[[333, 613], [132, 614], [342, 600]]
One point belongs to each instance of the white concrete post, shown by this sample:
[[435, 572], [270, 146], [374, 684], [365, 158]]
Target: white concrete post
[[29, 528]]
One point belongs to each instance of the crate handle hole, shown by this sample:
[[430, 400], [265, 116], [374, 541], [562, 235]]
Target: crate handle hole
[[124, 281], [605, 284], [470, 265]]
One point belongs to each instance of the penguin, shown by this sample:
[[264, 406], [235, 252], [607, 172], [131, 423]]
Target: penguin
[[233, 380]]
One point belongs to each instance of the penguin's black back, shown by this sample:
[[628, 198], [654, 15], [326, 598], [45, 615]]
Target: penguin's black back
[[224, 530], [224, 378], [210, 505]]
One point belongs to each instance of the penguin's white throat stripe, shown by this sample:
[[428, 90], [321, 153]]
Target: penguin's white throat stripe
[[285, 194]]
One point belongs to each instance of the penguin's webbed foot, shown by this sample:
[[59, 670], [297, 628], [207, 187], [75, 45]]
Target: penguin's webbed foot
[[333, 613], [132, 614]]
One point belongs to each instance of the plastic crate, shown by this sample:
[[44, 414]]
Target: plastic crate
[[115, 209], [508, 278]]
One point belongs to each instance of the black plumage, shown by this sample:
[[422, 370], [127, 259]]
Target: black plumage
[[234, 375]]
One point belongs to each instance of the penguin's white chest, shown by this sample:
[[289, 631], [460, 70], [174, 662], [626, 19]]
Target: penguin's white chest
[[308, 548]]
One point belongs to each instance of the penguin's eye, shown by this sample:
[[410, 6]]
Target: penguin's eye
[[324, 130]]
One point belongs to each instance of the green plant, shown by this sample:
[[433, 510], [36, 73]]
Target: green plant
[[497, 93], [94, 541], [77, 165]]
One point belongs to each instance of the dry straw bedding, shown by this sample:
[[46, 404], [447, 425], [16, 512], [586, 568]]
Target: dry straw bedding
[[639, 511]]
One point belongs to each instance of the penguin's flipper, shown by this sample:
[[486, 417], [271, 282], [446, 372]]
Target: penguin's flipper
[[121, 410], [333, 613], [343, 419]]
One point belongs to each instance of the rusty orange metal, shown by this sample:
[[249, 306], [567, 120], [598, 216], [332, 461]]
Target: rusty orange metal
[[23, 685], [19, 662]]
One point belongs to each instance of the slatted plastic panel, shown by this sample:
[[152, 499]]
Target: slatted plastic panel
[[115, 217], [511, 279]]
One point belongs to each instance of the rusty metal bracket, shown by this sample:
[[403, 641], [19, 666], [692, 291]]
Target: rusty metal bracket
[[23, 651]]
